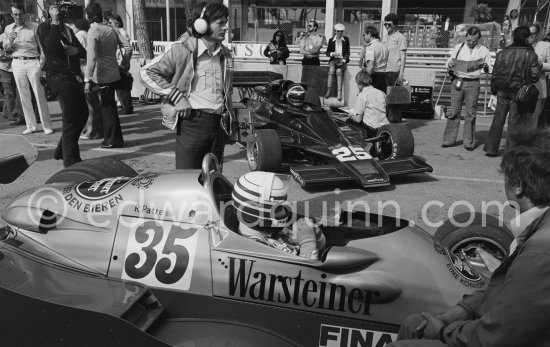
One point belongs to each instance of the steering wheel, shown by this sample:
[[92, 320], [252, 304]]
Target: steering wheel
[[209, 166]]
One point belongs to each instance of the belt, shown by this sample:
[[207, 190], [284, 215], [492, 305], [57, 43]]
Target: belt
[[208, 113], [26, 58], [469, 79]]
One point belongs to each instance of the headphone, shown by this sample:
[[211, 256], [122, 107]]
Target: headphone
[[200, 24]]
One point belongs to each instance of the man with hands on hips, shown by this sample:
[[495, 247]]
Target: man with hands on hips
[[195, 75]]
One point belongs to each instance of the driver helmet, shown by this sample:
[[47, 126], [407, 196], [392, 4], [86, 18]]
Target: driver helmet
[[296, 95], [259, 199]]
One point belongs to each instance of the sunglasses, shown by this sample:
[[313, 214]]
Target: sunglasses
[[339, 31], [388, 24]]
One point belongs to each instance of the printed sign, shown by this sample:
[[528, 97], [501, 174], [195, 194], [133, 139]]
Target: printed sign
[[336, 336], [160, 254], [100, 189]]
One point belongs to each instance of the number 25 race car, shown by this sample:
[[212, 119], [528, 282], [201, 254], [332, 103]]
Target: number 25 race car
[[102, 256], [321, 147]]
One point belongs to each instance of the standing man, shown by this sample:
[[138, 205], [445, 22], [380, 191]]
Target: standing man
[[311, 45], [21, 39], [123, 95], [338, 50], [397, 49], [12, 104], [195, 75], [465, 89], [374, 58], [63, 52], [515, 66], [542, 49]]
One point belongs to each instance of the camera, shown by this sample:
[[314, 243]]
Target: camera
[[68, 10]]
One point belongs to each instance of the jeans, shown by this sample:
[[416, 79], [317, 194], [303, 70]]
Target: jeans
[[112, 132], [468, 95], [12, 104], [200, 134], [125, 98], [517, 122], [393, 111], [70, 94], [27, 75]]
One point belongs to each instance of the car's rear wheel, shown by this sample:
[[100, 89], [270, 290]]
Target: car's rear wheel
[[483, 234], [92, 169], [397, 142], [265, 153]]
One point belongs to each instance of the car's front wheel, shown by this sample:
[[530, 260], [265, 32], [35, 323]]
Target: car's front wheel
[[478, 239], [265, 152], [397, 142]]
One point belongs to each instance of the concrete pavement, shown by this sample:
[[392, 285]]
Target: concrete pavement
[[461, 180]]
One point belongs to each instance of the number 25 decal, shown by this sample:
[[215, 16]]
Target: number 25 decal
[[157, 257], [350, 153]]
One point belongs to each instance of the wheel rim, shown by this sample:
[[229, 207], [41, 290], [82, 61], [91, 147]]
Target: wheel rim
[[252, 155], [470, 245], [384, 148]]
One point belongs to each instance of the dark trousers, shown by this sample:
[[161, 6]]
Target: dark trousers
[[379, 81], [311, 61], [125, 98], [70, 94], [544, 118], [467, 95], [518, 121], [94, 111], [393, 111], [200, 134], [112, 132]]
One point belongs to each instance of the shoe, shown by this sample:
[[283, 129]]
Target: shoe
[[57, 155], [445, 145], [28, 131], [110, 146], [123, 112], [84, 137], [48, 131], [492, 155], [18, 121], [470, 148]]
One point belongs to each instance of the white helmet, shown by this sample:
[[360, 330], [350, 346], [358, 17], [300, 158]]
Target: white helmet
[[259, 198], [296, 95]]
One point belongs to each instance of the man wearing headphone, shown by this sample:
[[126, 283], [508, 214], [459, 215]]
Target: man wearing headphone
[[195, 75]]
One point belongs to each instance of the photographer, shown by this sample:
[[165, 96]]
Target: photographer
[[63, 52]]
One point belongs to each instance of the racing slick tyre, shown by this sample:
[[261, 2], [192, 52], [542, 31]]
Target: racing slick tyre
[[92, 169], [397, 142], [481, 233], [265, 153]]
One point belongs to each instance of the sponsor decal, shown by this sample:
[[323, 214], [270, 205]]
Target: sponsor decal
[[160, 254], [93, 207], [297, 177], [101, 189], [247, 283], [144, 181], [154, 211], [463, 273], [336, 336]]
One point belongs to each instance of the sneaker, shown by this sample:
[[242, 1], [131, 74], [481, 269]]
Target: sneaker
[[28, 131], [48, 131]]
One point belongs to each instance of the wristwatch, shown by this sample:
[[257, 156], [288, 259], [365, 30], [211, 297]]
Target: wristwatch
[[86, 80]]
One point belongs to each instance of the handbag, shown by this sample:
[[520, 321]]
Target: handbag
[[528, 93], [450, 71], [126, 80]]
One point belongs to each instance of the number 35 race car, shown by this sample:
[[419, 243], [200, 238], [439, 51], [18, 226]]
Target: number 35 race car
[[321, 147], [102, 256]]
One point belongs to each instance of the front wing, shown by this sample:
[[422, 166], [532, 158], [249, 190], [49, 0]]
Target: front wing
[[367, 173]]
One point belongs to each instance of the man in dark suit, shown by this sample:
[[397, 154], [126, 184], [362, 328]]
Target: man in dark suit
[[338, 51]]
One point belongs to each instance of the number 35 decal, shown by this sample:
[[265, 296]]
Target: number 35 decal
[[160, 254], [351, 153]]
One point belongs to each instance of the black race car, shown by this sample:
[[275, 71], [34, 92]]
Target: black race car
[[320, 144]]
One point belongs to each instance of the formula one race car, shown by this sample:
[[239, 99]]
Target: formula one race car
[[320, 146], [102, 256]]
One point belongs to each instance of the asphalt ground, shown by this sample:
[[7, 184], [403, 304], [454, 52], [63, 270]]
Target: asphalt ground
[[462, 181]]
